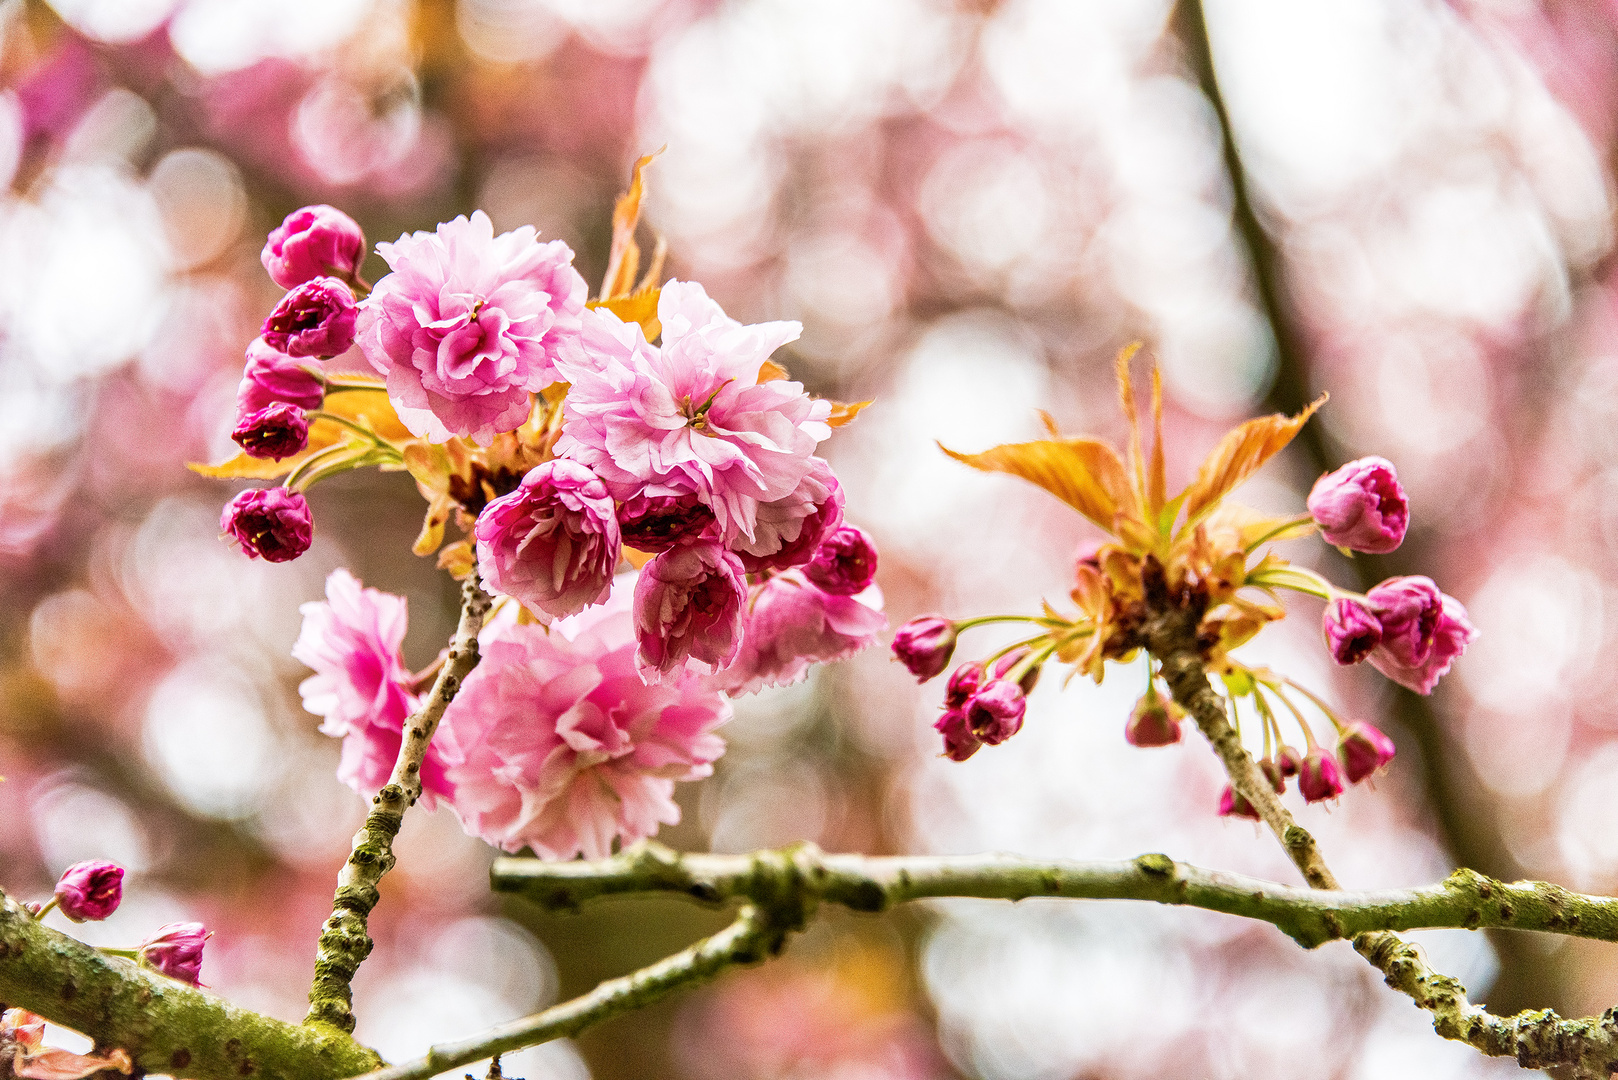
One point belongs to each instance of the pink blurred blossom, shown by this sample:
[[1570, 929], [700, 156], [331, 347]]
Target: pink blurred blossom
[[688, 610], [553, 542], [691, 415], [844, 563], [556, 743], [1364, 749], [791, 623], [361, 687], [468, 324]]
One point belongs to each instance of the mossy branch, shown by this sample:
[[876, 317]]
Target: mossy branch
[[344, 943], [166, 1026]]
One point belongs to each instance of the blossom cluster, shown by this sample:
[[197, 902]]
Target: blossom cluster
[[1210, 567]]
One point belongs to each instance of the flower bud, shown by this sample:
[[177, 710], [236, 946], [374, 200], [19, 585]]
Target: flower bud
[[656, 523], [312, 242], [553, 541], [1361, 506], [963, 683], [315, 319], [1452, 632], [845, 562], [1364, 749], [1272, 773], [1318, 777], [1352, 630], [924, 645], [276, 431], [1289, 761], [959, 742], [90, 891], [269, 523], [176, 950], [270, 376], [995, 712], [1152, 722], [1408, 609], [1233, 805]]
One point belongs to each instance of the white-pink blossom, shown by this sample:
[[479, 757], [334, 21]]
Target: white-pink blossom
[[468, 324], [555, 743], [689, 415]]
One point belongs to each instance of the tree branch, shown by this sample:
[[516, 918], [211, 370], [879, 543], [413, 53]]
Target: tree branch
[[344, 943], [165, 1025]]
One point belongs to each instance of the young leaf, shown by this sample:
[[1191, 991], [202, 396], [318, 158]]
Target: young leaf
[[624, 258], [1084, 473], [1239, 455], [639, 306], [844, 412]]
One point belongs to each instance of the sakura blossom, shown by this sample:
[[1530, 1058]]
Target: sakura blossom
[[552, 543], [790, 531], [271, 376], [688, 610], [276, 431], [315, 319], [1361, 506], [791, 623], [272, 524], [469, 324], [924, 645], [556, 743], [313, 241], [175, 949], [91, 890], [690, 415], [1452, 632]]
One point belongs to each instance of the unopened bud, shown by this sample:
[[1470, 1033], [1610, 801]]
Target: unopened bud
[[1318, 777], [995, 712], [1352, 630], [1361, 506], [1364, 749], [91, 890], [959, 742], [1152, 722], [1233, 805], [924, 645]]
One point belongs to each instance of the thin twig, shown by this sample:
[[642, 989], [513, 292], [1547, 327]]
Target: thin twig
[[344, 943]]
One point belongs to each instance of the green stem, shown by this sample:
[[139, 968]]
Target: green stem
[[295, 479], [1278, 530], [50, 905], [320, 414], [985, 620]]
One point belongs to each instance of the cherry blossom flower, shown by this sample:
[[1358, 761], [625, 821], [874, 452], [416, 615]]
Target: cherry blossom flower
[[959, 741], [789, 531], [89, 891], [556, 743], [1319, 777], [175, 949], [690, 416], [924, 645], [791, 623], [312, 242], [1352, 630], [1363, 749], [468, 324], [276, 431], [656, 523], [315, 319], [844, 563], [269, 523], [1452, 632], [272, 376], [688, 610], [1152, 722], [995, 712], [1361, 506], [361, 687], [553, 542]]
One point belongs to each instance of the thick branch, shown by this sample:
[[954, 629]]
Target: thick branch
[[165, 1025], [344, 943]]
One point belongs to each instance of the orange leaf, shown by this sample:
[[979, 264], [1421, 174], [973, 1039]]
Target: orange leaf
[[770, 371], [624, 259], [1084, 473], [1239, 455], [636, 307], [843, 412]]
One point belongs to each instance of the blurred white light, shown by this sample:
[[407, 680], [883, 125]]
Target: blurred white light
[[115, 130], [11, 136], [216, 36], [1541, 621], [987, 203], [764, 806], [509, 31], [203, 203], [114, 21], [75, 822], [1586, 827], [207, 736]]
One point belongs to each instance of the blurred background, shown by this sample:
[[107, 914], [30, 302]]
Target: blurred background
[[971, 206]]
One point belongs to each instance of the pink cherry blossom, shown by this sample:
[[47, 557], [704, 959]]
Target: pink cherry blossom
[[557, 744], [1361, 506], [688, 610], [656, 523], [272, 376], [1363, 749], [1352, 630], [553, 542], [276, 431], [175, 949], [312, 242], [789, 531], [924, 645], [272, 524], [361, 686], [1452, 632], [468, 324], [90, 890], [315, 319], [690, 416], [791, 623], [844, 563]]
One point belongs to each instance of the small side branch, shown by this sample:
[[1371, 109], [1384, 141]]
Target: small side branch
[[344, 942], [166, 1026]]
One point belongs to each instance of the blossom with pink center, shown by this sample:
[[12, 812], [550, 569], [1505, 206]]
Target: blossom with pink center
[[788, 532], [175, 949], [690, 415], [1361, 506], [272, 376], [1452, 633], [924, 645], [469, 324], [91, 890], [1352, 630], [361, 687], [315, 319], [272, 524], [553, 542], [688, 610], [656, 523], [959, 741], [313, 241], [1408, 609], [791, 623], [995, 711], [844, 563], [276, 431], [1363, 749], [556, 743]]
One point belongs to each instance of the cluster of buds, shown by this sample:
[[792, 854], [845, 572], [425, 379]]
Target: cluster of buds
[[91, 891], [1200, 563]]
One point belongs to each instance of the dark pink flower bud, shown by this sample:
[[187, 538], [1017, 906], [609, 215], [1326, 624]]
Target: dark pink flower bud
[[271, 375], [313, 242], [1289, 761], [269, 523], [276, 431], [1408, 609], [1451, 635], [553, 542], [1352, 630], [1272, 773], [1152, 723], [924, 645], [90, 891], [788, 531], [845, 562], [1364, 749], [963, 683], [315, 319], [995, 712], [656, 523], [688, 607], [1233, 805], [959, 742], [1318, 777], [176, 950], [1361, 506]]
